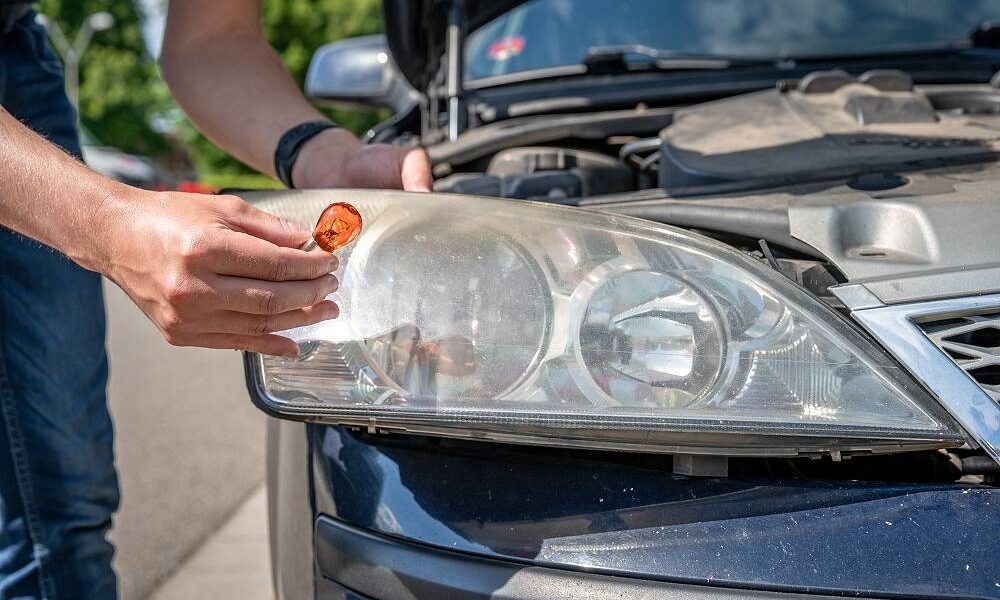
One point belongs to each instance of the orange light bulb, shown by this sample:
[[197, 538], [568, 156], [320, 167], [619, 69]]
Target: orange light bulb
[[339, 225]]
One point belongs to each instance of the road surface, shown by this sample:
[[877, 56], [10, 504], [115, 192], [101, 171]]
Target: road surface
[[190, 446]]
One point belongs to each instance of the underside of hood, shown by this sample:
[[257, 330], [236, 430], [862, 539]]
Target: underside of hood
[[416, 31]]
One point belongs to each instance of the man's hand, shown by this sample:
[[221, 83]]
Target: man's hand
[[335, 158], [209, 271], [214, 272]]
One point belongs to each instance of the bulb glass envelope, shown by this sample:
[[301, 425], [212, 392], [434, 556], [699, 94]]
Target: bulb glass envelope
[[534, 323]]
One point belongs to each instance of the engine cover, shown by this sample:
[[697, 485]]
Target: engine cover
[[830, 126]]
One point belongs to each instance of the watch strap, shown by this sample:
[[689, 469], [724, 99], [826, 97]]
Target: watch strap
[[290, 144]]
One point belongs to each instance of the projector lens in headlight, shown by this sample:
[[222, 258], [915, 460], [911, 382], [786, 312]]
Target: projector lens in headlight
[[527, 322], [650, 339]]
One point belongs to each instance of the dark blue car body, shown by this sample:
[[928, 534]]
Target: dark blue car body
[[395, 517]]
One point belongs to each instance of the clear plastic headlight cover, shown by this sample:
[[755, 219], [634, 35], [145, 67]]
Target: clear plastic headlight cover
[[522, 321]]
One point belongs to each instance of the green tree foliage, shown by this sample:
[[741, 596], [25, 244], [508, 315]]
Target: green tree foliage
[[296, 28], [121, 92]]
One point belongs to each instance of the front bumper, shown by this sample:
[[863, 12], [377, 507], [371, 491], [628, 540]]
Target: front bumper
[[355, 564], [582, 513]]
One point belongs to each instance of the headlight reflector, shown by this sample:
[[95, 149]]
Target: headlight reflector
[[649, 339], [453, 293]]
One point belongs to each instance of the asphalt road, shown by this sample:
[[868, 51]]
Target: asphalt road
[[190, 446]]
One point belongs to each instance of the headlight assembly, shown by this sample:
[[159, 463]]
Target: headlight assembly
[[525, 322]]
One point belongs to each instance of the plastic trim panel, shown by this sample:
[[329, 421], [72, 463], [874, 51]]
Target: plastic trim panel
[[387, 568]]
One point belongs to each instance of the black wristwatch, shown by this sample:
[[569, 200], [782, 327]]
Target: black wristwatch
[[291, 143]]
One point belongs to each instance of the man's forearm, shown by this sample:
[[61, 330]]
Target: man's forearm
[[49, 196], [231, 82], [234, 87]]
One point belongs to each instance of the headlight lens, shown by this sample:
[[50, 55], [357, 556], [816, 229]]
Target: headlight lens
[[512, 320]]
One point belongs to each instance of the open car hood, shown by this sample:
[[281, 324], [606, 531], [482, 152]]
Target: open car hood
[[415, 30]]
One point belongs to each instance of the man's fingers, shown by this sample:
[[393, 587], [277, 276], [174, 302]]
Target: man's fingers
[[257, 325], [268, 227], [241, 255], [272, 297], [271, 344], [415, 172]]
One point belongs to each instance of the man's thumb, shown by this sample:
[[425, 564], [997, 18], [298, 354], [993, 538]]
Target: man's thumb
[[415, 172]]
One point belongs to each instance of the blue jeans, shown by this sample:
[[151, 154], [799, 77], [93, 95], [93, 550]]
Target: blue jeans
[[58, 486]]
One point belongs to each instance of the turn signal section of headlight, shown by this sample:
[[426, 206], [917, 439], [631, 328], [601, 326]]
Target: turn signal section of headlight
[[524, 322]]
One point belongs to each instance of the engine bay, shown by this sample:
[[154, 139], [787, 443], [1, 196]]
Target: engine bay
[[825, 127]]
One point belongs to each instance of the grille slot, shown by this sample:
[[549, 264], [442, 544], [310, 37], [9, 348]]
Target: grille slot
[[973, 342]]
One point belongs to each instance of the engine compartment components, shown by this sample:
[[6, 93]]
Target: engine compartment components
[[544, 173]]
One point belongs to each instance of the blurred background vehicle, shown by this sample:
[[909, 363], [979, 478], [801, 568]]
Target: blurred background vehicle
[[127, 168]]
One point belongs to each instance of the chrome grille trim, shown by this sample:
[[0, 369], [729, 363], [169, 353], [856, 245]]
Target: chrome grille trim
[[971, 356], [898, 328]]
